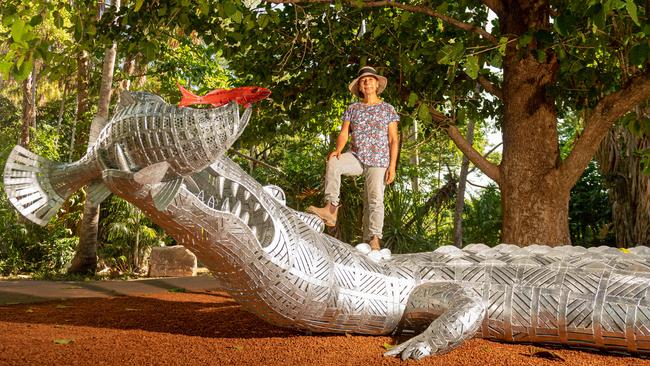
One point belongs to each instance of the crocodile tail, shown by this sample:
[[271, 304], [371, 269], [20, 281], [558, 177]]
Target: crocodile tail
[[27, 182]]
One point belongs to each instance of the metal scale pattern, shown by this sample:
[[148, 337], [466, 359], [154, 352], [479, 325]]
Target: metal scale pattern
[[145, 130], [279, 265]]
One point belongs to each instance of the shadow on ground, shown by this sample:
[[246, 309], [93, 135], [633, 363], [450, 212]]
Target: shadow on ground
[[28, 291], [217, 315]]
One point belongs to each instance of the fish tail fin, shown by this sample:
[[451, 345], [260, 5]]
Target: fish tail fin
[[28, 182], [188, 98]]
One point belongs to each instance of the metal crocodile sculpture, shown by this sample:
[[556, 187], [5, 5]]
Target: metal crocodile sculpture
[[277, 264]]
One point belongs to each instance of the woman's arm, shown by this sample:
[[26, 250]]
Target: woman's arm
[[393, 145], [341, 140]]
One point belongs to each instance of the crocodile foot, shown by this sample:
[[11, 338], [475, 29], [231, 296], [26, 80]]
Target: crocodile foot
[[415, 348]]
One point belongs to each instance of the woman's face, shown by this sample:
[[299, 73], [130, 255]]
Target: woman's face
[[368, 85]]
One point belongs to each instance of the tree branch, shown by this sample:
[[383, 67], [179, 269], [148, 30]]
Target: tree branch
[[486, 155], [278, 170], [489, 87], [440, 117], [411, 8], [604, 115], [480, 161], [475, 185], [488, 168]]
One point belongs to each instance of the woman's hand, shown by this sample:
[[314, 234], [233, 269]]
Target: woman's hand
[[389, 177], [333, 154]]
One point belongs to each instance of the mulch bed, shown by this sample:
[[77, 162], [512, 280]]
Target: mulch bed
[[209, 328]]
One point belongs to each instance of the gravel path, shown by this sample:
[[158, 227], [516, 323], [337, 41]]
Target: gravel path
[[209, 328]]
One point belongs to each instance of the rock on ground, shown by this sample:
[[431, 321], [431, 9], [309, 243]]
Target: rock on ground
[[174, 261]]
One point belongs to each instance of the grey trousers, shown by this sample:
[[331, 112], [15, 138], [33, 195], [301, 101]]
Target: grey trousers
[[373, 195]]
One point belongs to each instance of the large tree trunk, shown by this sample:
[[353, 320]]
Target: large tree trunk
[[85, 258], [83, 86], [128, 68], [460, 191], [629, 188], [87, 249], [535, 203], [29, 109], [141, 68], [136, 249], [61, 110]]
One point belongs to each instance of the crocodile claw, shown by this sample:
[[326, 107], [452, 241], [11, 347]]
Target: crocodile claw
[[414, 348]]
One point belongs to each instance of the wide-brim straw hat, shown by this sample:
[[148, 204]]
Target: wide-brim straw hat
[[368, 71]]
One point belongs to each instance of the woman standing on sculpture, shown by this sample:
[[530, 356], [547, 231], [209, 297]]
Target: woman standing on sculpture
[[372, 123]]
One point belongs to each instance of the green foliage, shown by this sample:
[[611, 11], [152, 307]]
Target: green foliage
[[406, 229], [306, 54], [482, 218], [645, 161], [302, 162], [128, 236], [350, 221], [25, 247], [195, 66], [590, 213], [29, 31]]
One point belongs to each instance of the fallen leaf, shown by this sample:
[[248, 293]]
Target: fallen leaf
[[176, 289], [130, 309], [389, 346], [61, 306], [348, 335], [63, 341], [30, 310], [545, 353]]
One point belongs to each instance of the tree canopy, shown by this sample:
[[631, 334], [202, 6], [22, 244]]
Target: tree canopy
[[537, 71]]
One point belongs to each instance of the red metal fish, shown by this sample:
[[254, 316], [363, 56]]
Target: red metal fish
[[244, 96]]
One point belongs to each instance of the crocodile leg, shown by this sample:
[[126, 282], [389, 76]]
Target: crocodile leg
[[456, 313]]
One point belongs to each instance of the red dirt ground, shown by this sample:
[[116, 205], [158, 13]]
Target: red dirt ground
[[209, 328]]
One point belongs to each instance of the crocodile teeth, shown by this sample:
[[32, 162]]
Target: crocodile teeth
[[234, 187], [254, 230], [244, 217], [247, 195], [256, 206], [265, 216], [211, 202], [237, 209], [226, 205]]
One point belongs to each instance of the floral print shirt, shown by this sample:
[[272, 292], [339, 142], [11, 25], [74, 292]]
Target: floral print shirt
[[369, 130]]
